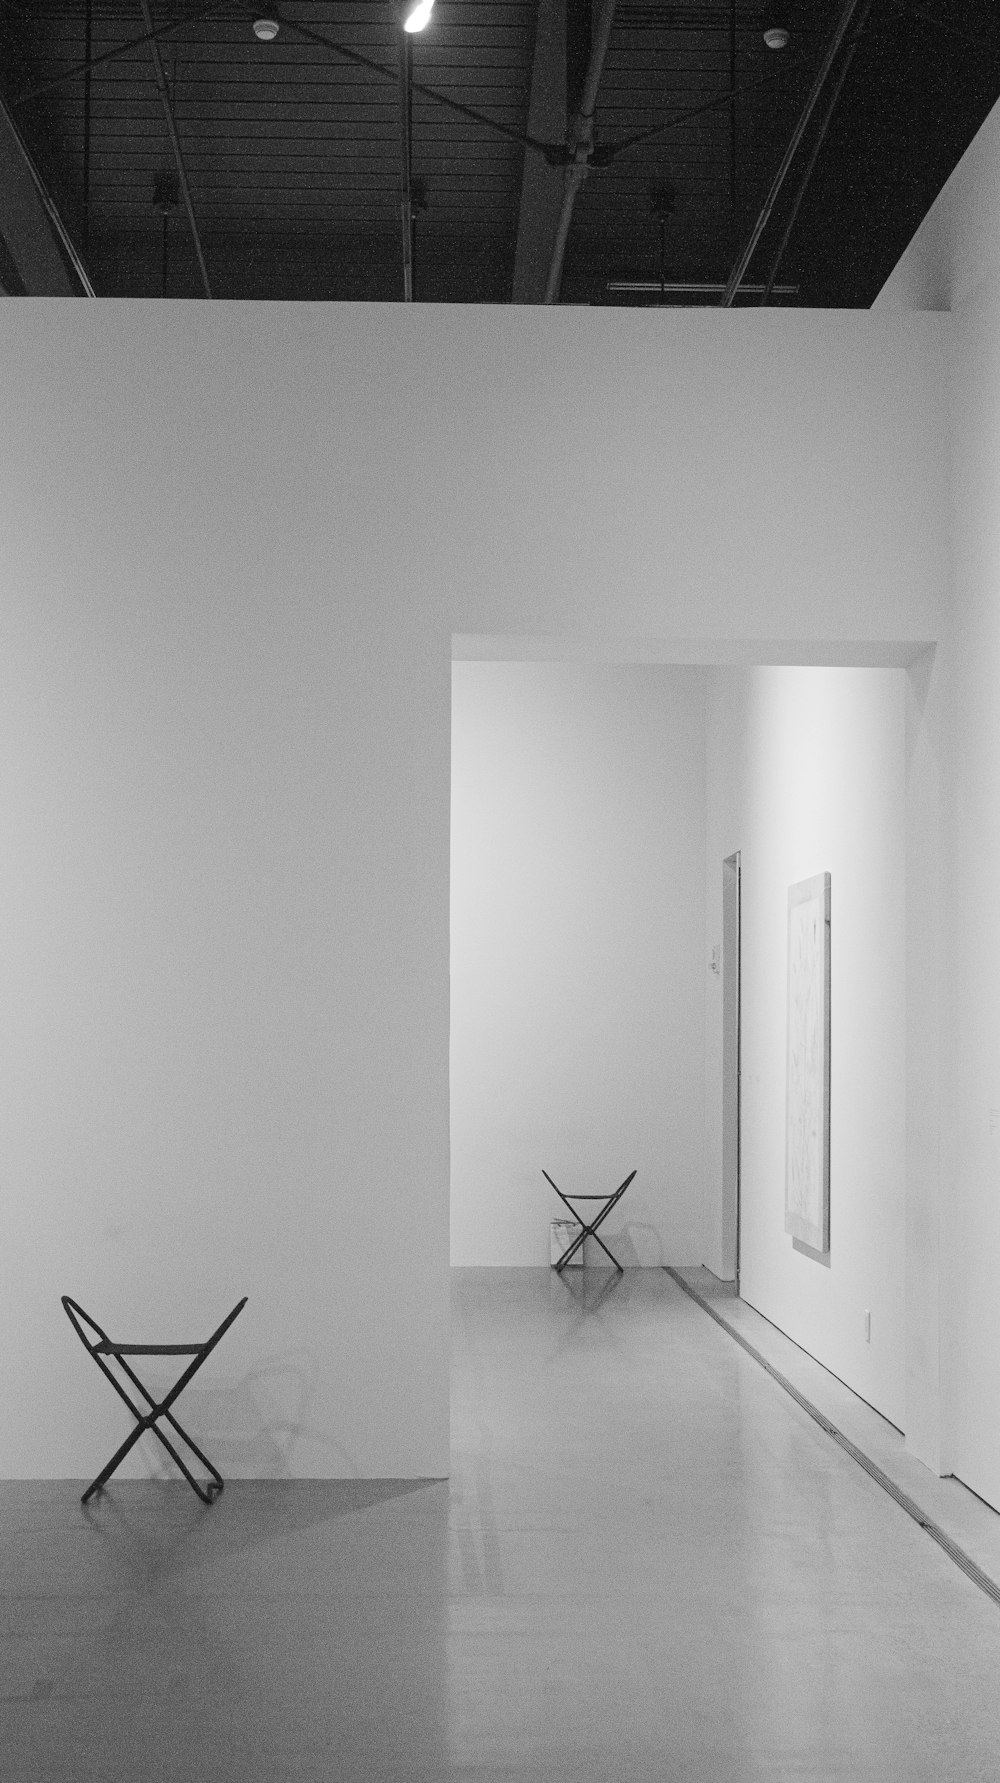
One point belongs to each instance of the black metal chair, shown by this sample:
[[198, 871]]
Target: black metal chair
[[590, 1231], [101, 1347]]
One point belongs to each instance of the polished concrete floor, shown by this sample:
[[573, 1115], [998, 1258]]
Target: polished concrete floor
[[649, 1564]]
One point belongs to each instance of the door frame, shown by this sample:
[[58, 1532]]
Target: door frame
[[731, 1061]]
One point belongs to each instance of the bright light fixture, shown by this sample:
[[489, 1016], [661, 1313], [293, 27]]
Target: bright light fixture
[[418, 17], [776, 37], [265, 29]]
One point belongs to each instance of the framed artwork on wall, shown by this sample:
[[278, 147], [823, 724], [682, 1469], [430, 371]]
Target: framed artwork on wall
[[807, 1118]]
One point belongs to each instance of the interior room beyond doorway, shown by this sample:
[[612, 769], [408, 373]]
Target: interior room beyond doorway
[[578, 956], [593, 806]]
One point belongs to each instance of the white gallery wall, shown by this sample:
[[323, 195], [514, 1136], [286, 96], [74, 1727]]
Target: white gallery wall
[[577, 943], [224, 796], [806, 775], [971, 1224], [237, 542], [956, 254]]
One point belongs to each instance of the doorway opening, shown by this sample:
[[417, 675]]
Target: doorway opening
[[731, 1068]]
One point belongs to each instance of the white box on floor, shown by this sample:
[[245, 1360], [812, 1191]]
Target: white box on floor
[[561, 1236]]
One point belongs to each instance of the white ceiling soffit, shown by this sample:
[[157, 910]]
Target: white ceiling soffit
[[847, 653]]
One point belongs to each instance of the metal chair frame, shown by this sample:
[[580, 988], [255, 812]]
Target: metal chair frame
[[590, 1231], [104, 1348]]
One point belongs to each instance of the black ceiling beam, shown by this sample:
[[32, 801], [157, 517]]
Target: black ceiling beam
[[541, 182], [580, 142], [578, 33]]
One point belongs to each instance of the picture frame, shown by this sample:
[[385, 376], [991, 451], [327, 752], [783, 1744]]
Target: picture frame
[[807, 1122]]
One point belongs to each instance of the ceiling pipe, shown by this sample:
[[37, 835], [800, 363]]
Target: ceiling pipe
[[862, 20], [732, 109], [581, 144], [406, 159], [175, 142], [747, 252], [45, 260], [88, 48]]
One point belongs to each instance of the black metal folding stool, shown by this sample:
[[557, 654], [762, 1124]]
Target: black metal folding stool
[[610, 1201], [147, 1420]]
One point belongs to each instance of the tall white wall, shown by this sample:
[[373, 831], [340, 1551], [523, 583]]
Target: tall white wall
[[224, 869], [806, 775], [971, 1222], [237, 539], [577, 933], [956, 251]]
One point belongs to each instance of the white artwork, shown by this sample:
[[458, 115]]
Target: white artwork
[[807, 1137]]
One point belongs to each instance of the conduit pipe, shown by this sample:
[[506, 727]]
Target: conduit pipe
[[175, 142], [581, 144], [37, 239], [747, 252], [862, 20], [406, 160]]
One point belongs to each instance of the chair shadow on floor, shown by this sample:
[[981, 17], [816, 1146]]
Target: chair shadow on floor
[[251, 1429], [638, 1245], [252, 1426], [155, 1530]]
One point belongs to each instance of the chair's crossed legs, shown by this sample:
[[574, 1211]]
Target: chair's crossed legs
[[590, 1231], [148, 1419]]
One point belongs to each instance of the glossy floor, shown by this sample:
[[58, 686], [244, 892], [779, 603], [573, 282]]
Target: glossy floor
[[649, 1564]]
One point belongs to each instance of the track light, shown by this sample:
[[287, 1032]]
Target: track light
[[418, 16]]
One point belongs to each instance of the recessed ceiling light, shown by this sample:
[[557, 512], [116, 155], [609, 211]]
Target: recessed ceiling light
[[265, 29]]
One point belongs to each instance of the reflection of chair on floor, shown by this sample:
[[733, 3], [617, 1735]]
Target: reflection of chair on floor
[[101, 1347], [590, 1231]]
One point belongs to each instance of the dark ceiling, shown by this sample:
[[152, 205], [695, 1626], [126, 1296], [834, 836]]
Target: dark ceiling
[[291, 149]]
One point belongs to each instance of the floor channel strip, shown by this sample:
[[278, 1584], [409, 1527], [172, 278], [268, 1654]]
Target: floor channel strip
[[955, 1553]]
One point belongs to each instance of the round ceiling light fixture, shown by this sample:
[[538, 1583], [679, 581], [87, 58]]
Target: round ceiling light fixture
[[265, 29], [418, 16], [776, 37]]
